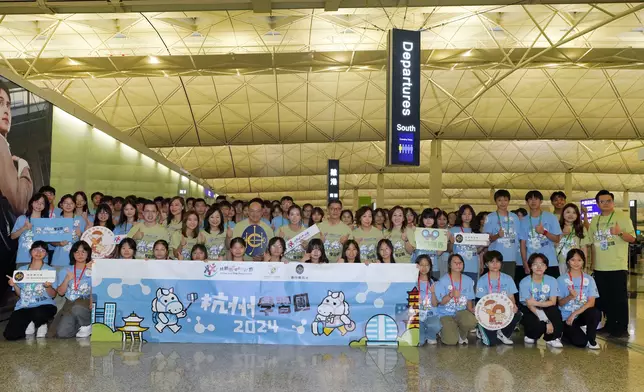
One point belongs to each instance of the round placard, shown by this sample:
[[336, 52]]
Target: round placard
[[494, 311], [101, 240]]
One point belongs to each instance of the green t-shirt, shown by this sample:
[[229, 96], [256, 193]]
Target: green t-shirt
[[400, 252], [570, 241], [332, 235], [368, 241], [611, 251], [174, 226], [151, 234], [175, 242], [287, 233], [215, 244], [256, 237]]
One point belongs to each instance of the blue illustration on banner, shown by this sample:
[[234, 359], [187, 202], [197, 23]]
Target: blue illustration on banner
[[53, 229], [256, 240], [266, 303]]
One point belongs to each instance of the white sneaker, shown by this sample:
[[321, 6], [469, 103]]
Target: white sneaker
[[42, 331], [31, 329], [432, 341], [84, 332], [504, 339], [556, 343], [595, 347], [462, 340], [527, 340]]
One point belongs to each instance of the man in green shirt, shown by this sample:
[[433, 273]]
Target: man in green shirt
[[333, 232], [611, 232], [255, 232]]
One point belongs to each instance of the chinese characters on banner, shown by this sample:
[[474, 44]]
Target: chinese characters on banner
[[333, 179]]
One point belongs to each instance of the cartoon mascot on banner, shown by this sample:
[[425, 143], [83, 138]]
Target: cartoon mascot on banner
[[333, 313], [167, 309]]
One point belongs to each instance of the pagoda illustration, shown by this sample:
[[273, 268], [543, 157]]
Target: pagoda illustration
[[413, 309], [132, 330]]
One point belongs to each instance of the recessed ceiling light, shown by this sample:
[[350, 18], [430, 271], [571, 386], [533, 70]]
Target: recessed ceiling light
[[153, 60]]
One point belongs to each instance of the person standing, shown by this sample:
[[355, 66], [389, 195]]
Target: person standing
[[285, 203], [503, 228], [540, 231], [333, 232], [254, 232], [611, 232]]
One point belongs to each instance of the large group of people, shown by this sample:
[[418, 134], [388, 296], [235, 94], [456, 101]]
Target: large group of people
[[541, 260]]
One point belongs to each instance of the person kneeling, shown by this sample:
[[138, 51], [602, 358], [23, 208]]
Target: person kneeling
[[578, 307], [75, 284], [429, 322], [36, 305], [538, 301], [496, 281], [455, 309]]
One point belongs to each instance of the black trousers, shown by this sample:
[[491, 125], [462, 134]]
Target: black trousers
[[613, 299], [535, 328], [21, 318], [575, 335]]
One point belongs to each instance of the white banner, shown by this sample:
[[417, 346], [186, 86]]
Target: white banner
[[303, 236], [34, 276], [472, 239]]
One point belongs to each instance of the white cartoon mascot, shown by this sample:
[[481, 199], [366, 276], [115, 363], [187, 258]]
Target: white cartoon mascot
[[167, 310], [333, 313]]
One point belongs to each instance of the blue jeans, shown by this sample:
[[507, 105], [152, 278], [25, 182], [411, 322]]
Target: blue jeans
[[429, 328]]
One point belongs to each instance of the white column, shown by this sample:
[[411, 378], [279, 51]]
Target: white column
[[435, 174], [568, 185]]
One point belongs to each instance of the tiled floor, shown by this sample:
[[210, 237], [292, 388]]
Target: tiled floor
[[56, 365]]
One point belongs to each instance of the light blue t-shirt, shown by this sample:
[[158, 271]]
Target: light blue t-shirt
[[589, 290], [425, 298], [34, 294], [123, 229], [231, 225], [279, 222], [539, 243], [468, 252], [509, 244], [539, 291], [25, 240], [56, 213], [504, 285], [61, 253], [432, 255], [80, 287], [444, 286]]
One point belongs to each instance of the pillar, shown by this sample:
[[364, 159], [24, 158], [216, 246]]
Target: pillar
[[435, 174], [626, 200], [355, 199], [492, 196], [380, 191], [568, 185]]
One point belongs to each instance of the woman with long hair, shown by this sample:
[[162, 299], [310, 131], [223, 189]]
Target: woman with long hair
[[469, 253], [214, 233], [366, 235], [315, 252], [75, 284], [103, 217], [184, 240], [291, 230], [430, 323], [38, 207], [386, 251], [575, 235], [350, 252], [427, 219], [176, 209], [128, 218], [61, 250], [402, 237], [275, 250]]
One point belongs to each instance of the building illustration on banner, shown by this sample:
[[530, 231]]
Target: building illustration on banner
[[105, 315], [132, 330]]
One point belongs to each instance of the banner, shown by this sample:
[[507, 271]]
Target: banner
[[431, 239], [475, 239], [303, 236], [34, 276], [247, 302], [53, 229]]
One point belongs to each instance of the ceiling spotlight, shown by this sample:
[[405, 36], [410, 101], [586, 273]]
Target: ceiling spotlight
[[120, 35], [153, 60], [467, 54], [73, 62], [196, 34]]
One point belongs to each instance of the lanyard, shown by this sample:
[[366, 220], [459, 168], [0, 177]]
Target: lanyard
[[581, 285], [501, 226], [532, 286], [566, 241], [489, 283], [426, 301], [530, 217], [76, 282], [460, 284], [607, 223]]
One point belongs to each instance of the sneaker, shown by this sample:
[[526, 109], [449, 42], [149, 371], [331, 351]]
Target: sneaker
[[556, 343], [478, 334], [527, 340], [432, 342], [462, 340], [84, 332], [593, 346], [31, 329], [42, 331], [504, 339]]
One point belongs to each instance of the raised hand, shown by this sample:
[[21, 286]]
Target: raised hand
[[615, 230], [540, 229]]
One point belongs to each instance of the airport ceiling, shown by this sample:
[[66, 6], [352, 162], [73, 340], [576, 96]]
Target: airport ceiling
[[254, 97]]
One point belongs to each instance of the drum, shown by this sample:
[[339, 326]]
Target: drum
[[101, 240], [494, 311]]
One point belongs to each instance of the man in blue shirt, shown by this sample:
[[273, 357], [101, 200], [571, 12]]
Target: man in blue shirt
[[503, 228], [540, 230], [285, 203]]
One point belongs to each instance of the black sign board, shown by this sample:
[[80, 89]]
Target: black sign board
[[333, 180], [403, 98]]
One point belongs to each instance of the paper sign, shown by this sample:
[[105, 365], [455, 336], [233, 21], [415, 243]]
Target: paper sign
[[100, 239], [472, 239], [303, 236], [431, 239], [53, 229], [34, 276]]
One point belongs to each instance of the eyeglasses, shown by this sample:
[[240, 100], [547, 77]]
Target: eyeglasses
[[605, 201], [39, 250], [538, 265]]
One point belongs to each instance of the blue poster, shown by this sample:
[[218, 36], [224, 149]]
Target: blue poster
[[53, 229], [262, 303]]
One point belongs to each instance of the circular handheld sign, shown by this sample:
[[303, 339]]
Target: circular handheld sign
[[101, 240], [494, 311]]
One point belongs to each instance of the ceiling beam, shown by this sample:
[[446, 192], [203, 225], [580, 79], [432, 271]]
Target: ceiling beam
[[261, 6]]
